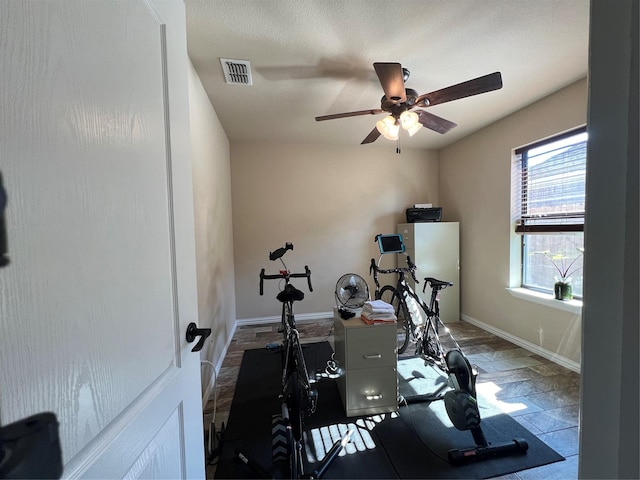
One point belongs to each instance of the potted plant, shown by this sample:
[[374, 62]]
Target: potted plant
[[563, 288]]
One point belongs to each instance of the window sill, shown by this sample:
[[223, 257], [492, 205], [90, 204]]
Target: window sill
[[573, 306]]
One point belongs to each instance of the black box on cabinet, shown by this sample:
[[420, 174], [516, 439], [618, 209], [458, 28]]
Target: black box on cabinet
[[418, 215]]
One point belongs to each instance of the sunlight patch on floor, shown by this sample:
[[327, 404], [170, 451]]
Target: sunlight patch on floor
[[320, 440], [489, 392]]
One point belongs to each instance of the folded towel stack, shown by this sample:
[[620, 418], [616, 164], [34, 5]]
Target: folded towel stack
[[377, 311]]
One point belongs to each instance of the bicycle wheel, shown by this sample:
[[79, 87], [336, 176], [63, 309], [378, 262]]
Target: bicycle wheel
[[296, 405], [390, 295], [279, 442], [283, 448], [296, 418], [431, 347]]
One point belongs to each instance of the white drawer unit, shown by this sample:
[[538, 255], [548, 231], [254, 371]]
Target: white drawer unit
[[366, 357]]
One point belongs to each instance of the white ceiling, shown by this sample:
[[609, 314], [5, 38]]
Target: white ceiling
[[315, 57]]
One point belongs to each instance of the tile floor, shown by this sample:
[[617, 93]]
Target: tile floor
[[543, 396]]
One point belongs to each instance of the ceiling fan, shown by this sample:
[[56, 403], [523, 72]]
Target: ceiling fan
[[406, 108]]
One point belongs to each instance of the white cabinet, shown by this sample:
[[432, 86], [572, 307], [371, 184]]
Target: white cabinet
[[435, 248], [367, 360]]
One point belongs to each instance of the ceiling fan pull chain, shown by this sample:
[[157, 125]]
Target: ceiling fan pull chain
[[398, 146]]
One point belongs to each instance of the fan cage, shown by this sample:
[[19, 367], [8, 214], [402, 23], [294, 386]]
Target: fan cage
[[357, 290]]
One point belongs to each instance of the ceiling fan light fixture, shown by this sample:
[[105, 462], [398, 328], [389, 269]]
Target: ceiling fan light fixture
[[413, 130], [388, 127], [409, 119]]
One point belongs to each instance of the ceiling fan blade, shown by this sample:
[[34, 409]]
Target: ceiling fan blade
[[484, 84], [372, 137], [373, 111], [435, 123], [390, 76]]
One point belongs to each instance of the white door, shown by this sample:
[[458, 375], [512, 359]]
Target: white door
[[101, 286]]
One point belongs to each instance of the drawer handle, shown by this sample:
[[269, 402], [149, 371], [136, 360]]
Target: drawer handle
[[372, 356], [377, 396]]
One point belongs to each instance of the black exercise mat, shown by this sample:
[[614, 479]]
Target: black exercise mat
[[410, 444]]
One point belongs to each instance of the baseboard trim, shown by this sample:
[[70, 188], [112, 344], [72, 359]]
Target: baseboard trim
[[554, 357], [300, 317]]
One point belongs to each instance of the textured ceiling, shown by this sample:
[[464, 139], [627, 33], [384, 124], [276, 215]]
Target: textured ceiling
[[315, 57]]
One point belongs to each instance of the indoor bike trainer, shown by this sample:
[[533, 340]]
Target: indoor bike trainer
[[462, 409]]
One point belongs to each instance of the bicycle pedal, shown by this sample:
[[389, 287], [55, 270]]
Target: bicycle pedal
[[313, 400]]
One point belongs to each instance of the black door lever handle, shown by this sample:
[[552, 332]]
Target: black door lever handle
[[193, 331]]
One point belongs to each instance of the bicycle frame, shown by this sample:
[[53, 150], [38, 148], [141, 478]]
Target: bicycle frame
[[293, 360], [431, 324]]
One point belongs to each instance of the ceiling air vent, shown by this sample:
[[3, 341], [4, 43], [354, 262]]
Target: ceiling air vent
[[236, 72]]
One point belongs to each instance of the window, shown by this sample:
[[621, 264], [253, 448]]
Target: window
[[549, 200]]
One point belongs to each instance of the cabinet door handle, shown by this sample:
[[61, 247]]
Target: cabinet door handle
[[372, 356], [376, 396]]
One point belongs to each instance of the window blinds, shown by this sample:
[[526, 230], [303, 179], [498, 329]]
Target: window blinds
[[549, 184]]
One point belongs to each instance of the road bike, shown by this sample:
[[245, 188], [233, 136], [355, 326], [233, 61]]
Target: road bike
[[296, 385], [417, 322], [299, 398]]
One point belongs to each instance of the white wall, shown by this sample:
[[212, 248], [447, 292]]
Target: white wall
[[213, 228], [475, 190], [329, 201]]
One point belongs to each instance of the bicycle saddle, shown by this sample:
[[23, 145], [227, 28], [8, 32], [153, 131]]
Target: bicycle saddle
[[290, 294], [435, 283]]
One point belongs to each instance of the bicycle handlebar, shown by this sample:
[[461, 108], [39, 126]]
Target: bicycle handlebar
[[286, 275], [399, 270]]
